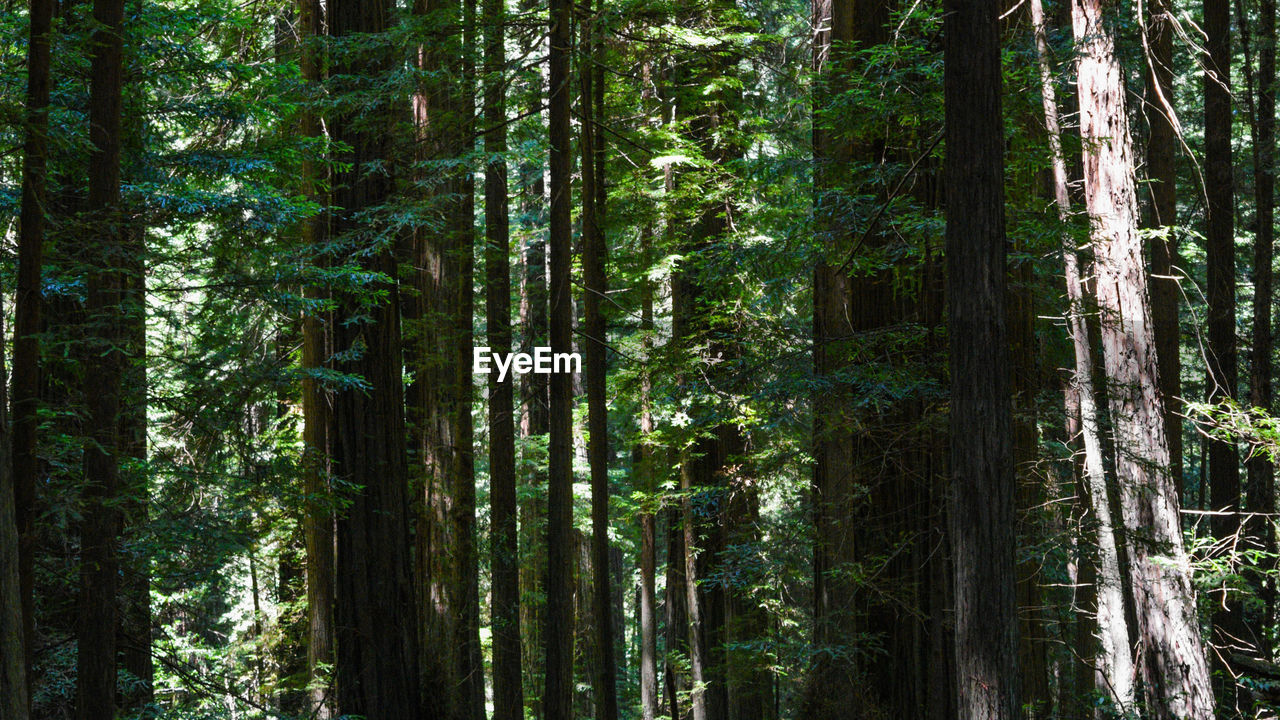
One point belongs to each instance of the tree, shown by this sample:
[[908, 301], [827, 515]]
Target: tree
[[1114, 676], [1175, 674], [504, 550], [26, 346], [1260, 100], [14, 701], [375, 616], [558, 695], [318, 514], [1222, 375], [983, 488], [100, 529], [595, 345]]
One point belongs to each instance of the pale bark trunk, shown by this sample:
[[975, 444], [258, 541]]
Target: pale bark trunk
[[1175, 671], [1115, 660]]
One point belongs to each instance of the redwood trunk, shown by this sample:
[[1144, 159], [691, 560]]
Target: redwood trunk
[[375, 615], [1175, 672], [558, 695], [1113, 677], [26, 344], [504, 551], [104, 370]]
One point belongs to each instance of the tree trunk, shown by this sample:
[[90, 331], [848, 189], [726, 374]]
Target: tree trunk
[[14, 702], [100, 530], [1221, 373], [26, 344], [558, 695], [1114, 676], [441, 396], [1260, 487], [1163, 175], [595, 285], [375, 615], [318, 512], [676, 680], [983, 484], [1175, 674], [647, 484], [504, 549]]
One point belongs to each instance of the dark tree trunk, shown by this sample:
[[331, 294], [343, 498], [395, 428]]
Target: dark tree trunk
[[104, 370], [317, 520], [26, 344], [504, 550], [441, 396], [1260, 487], [558, 695], [983, 487], [14, 701], [375, 617], [135, 618], [1163, 174], [1175, 673], [1222, 375], [595, 285]]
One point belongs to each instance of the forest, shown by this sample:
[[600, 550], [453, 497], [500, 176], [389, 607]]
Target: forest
[[638, 359]]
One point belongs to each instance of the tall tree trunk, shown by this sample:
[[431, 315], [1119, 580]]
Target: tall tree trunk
[[558, 694], [14, 702], [26, 344], [835, 688], [1175, 673], [1163, 173], [441, 396], [1221, 376], [375, 615], [1114, 676], [676, 680], [1260, 487], [983, 484], [104, 370], [318, 513], [595, 285], [534, 415], [646, 482], [504, 549]]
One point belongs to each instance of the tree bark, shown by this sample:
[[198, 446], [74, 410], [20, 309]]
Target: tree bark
[[318, 512], [646, 483], [26, 344], [14, 702], [441, 395], [375, 615], [1260, 484], [1175, 672], [558, 695], [1221, 372], [1114, 663], [983, 484], [100, 529], [595, 287], [504, 550], [1163, 175]]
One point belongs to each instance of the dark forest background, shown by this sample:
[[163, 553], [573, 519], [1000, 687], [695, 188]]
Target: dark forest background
[[927, 351]]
